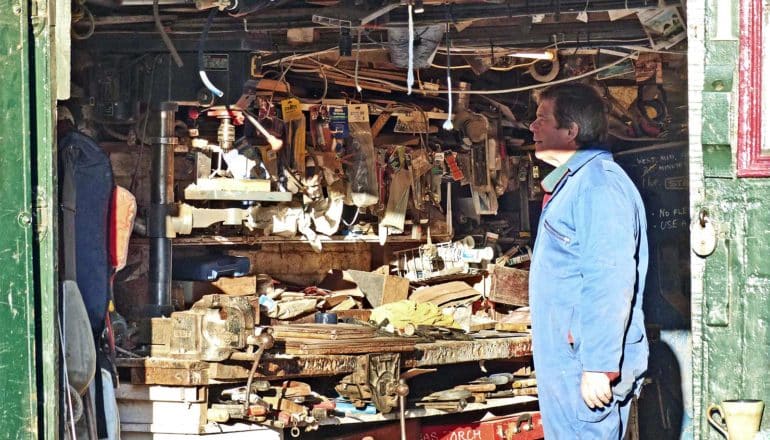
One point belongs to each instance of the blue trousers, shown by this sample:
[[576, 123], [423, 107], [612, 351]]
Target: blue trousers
[[566, 416]]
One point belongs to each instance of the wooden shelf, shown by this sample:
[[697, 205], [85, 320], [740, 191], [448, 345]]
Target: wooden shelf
[[414, 413], [218, 240]]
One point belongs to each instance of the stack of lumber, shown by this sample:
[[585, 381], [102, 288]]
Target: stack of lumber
[[327, 339]]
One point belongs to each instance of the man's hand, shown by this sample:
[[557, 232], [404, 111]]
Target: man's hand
[[595, 389]]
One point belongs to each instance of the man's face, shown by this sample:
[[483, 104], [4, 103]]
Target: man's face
[[549, 138]]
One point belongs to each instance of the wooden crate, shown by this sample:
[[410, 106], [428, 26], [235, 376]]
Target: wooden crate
[[510, 286]]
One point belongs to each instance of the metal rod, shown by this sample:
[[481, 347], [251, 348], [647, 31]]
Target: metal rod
[[161, 201]]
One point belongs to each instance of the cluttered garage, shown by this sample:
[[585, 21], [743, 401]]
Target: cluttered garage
[[314, 219]]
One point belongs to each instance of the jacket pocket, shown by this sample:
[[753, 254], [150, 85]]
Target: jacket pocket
[[556, 234], [587, 414], [572, 337]]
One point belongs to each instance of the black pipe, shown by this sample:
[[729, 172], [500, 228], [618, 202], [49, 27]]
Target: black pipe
[[161, 204]]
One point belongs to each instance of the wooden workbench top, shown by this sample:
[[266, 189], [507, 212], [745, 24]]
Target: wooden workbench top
[[276, 365]]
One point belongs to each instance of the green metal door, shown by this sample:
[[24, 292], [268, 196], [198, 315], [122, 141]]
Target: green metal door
[[730, 191], [28, 348]]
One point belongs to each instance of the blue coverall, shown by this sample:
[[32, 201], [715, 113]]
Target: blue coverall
[[586, 282]]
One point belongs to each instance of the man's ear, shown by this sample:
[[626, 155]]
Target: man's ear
[[573, 130]]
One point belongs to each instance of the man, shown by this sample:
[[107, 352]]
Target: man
[[587, 273]]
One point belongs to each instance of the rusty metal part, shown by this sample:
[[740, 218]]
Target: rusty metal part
[[414, 372], [449, 405], [402, 390], [376, 378], [213, 328], [265, 341]]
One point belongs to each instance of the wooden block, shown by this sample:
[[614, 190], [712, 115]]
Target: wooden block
[[160, 393], [379, 289], [477, 387], [177, 372], [272, 84], [300, 35], [322, 331], [166, 417], [510, 286], [237, 286], [446, 294], [349, 346]]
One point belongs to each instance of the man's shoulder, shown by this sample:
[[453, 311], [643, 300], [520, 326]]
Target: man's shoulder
[[603, 167]]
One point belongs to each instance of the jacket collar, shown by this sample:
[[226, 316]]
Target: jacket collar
[[573, 164]]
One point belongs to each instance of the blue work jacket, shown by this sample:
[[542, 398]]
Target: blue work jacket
[[587, 274]]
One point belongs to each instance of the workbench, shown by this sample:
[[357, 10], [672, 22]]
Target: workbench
[[277, 366]]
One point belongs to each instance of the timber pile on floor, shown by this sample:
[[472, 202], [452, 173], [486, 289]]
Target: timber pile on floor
[[338, 339]]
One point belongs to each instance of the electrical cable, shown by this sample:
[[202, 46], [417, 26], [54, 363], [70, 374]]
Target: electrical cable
[[204, 78], [132, 185], [410, 66], [358, 54], [164, 36], [448, 123]]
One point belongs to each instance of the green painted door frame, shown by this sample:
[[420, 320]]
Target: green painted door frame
[[28, 342], [731, 287]]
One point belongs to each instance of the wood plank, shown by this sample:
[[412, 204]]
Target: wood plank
[[452, 352], [160, 393], [167, 371], [446, 294], [262, 196], [322, 331], [380, 122], [379, 289], [285, 367], [341, 346]]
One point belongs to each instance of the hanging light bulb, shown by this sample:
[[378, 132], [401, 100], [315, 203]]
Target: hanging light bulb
[[419, 7]]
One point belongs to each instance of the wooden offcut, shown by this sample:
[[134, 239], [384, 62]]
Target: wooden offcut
[[446, 294], [322, 331], [349, 346], [377, 288], [510, 286]]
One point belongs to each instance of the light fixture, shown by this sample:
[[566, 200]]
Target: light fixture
[[419, 7], [547, 55]]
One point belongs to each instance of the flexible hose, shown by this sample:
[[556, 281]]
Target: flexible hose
[[410, 73], [448, 123], [201, 71]]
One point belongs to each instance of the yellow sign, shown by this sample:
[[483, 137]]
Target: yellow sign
[[291, 109]]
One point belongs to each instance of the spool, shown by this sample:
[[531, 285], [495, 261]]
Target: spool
[[478, 255], [468, 242]]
